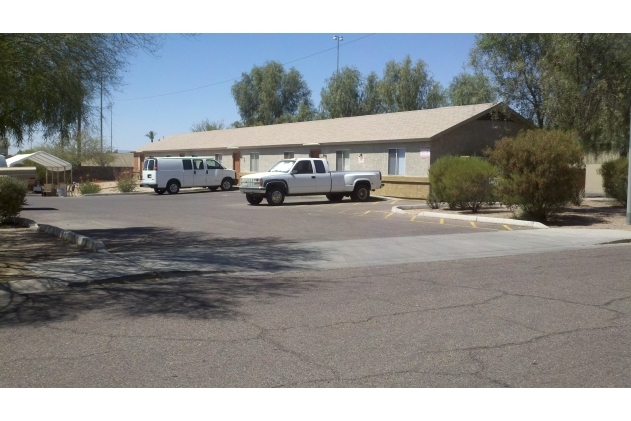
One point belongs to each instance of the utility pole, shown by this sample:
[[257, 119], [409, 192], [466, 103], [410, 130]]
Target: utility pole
[[338, 38], [101, 114], [111, 104], [629, 175]]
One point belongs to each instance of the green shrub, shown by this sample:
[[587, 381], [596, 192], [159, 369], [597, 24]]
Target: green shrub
[[89, 187], [539, 171], [126, 183], [12, 197], [615, 178], [469, 183], [437, 176]]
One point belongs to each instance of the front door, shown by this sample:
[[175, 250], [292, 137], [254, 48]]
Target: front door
[[304, 180], [236, 164]]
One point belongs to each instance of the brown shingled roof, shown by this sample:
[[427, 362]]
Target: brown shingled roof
[[402, 126]]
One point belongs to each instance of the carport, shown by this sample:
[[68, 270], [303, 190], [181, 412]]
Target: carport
[[50, 162]]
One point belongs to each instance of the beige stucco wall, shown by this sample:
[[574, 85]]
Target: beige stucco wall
[[472, 138]]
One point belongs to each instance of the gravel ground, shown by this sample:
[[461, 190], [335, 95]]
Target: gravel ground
[[599, 213]]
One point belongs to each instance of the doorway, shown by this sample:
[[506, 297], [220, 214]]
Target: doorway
[[236, 164]]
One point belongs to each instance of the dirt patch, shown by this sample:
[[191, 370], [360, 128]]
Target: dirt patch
[[593, 213]]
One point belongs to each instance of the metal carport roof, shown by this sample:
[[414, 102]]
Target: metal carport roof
[[51, 162]]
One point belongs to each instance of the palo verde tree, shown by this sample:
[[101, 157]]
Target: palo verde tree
[[268, 93], [206, 125]]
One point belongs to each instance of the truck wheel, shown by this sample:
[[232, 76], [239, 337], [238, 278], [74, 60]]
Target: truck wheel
[[360, 194], [173, 187], [275, 196], [226, 184], [335, 197], [253, 200], [159, 191]]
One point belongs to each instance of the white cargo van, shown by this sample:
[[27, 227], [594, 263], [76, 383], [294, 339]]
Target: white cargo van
[[171, 174]]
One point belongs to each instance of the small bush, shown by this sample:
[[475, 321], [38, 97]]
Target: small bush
[[539, 171], [437, 176], [89, 187], [126, 183], [469, 183], [432, 201], [615, 178], [12, 197]]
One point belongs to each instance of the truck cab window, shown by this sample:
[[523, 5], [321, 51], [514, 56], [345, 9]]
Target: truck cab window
[[319, 165], [304, 167]]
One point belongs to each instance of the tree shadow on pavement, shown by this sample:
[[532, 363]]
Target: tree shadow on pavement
[[193, 297]]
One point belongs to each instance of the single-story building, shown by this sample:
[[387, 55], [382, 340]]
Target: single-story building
[[400, 145]]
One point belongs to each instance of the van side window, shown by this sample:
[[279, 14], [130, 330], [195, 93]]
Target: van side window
[[199, 164], [212, 164], [319, 167], [188, 165]]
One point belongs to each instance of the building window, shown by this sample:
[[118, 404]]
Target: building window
[[396, 161], [342, 161], [289, 155], [254, 162], [218, 157]]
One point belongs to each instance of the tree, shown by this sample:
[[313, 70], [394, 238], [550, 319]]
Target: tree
[[207, 125], [48, 80], [342, 94], [348, 94], [151, 135], [588, 80], [468, 89], [514, 62], [69, 151], [269, 92], [407, 87], [572, 82]]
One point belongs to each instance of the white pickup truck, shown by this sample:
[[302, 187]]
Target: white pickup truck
[[306, 176]]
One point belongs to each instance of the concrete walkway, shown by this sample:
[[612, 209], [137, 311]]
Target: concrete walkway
[[105, 267]]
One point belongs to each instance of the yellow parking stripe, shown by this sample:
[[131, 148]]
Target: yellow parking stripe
[[413, 218], [394, 201], [365, 213], [442, 221], [388, 215], [472, 224], [507, 227]]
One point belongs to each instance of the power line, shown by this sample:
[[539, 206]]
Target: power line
[[236, 78]]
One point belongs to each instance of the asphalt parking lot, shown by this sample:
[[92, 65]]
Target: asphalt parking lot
[[194, 216]]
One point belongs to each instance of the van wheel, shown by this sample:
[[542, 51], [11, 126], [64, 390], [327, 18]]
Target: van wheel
[[360, 194], [159, 191], [173, 187], [335, 197], [275, 196], [226, 184], [253, 200], [213, 188]]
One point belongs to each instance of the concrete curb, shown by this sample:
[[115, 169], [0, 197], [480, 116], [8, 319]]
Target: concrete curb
[[71, 237], [483, 219]]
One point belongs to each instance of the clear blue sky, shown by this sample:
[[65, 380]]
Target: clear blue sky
[[167, 94], [298, 35]]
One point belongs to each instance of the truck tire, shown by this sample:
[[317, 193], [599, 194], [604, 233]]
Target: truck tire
[[253, 200], [275, 196], [335, 197], [226, 184], [361, 193], [173, 187]]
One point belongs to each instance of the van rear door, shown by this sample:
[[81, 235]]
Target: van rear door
[[149, 172]]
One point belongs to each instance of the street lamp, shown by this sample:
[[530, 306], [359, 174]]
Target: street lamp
[[338, 38]]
